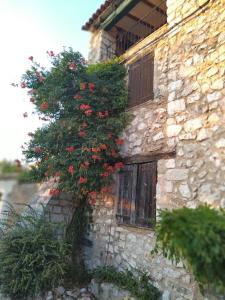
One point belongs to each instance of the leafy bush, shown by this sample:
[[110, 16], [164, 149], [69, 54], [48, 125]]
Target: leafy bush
[[196, 236], [8, 167], [32, 259], [138, 287]]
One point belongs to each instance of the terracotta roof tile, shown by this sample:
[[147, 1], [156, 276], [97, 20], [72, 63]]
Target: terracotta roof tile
[[98, 12]]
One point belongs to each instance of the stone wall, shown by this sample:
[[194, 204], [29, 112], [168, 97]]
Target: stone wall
[[185, 118]]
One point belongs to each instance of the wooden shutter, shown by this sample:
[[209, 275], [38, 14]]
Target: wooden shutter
[[146, 193], [126, 194], [141, 75]]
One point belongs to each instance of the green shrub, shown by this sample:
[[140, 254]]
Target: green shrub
[[141, 288], [32, 259], [197, 237]]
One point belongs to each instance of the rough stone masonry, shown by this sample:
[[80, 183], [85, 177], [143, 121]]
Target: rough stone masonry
[[187, 117]]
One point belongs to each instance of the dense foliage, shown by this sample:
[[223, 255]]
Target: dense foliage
[[32, 259], [83, 107], [197, 237], [141, 288]]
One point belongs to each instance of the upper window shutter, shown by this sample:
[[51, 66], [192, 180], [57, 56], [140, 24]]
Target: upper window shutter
[[141, 76], [134, 87], [127, 194], [146, 193]]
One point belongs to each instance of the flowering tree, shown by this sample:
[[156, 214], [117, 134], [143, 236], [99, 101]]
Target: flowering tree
[[83, 107]]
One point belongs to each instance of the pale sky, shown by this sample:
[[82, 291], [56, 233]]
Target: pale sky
[[31, 27]]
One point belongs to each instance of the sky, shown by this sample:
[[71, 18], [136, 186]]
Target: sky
[[30, 28]]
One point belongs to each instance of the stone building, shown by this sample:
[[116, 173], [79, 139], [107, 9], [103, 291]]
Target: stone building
[[174, 51]]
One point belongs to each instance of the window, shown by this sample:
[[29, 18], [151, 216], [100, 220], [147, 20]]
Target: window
[[140, 85], [136, 194]]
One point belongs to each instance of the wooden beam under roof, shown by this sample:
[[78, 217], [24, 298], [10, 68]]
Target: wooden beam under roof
[[140, 21], [119, 13], [153, 6]]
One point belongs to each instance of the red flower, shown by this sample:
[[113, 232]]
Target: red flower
[[84, 125], [83, 86], [85, 165], [72, 66], [105, 174], [103, 146], [82, 133], [70, 149], [88, 112], [106, 189], [93, 194], [91, 86], [32, 100], [18, 163], [92, 202], [31, 58], [105, 165], [84, 106], [44, 106], [82, 180], [103, 114], [46, 174], [58, 174], [110, 169], [77, 97], [96, 157], [114, 153], [54, 192], [71, 169], [95, 150], [23, 85], [119, 141], [50, 53], [25, 115], [119, 165], [38, 149]]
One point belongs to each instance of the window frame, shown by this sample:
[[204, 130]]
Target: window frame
[[134, 203]]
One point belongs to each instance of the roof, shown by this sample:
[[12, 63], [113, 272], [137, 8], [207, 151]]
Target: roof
[[98, 12]]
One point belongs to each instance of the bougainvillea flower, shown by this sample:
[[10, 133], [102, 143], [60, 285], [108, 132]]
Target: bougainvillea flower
[[103, 146], [95, 150], [92, 202], [18, 163], [82, 133], [71, 169], [119, 141], [23, 85], [38, 149], [83, 86], [58, 174], [93, 194], [70, 149], [106, 189], [103, 114], [44, 106], [32, 100], [88, 112], [72, 66], [114, 153], [82, 180], [25, 115], [84, 106], [110, 169], [31, 58], [119, 165], [85, 165], [54, 192], [84, 125], [77, 97], [46, 174], [105, 174], [50, 53], [91, 86]]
